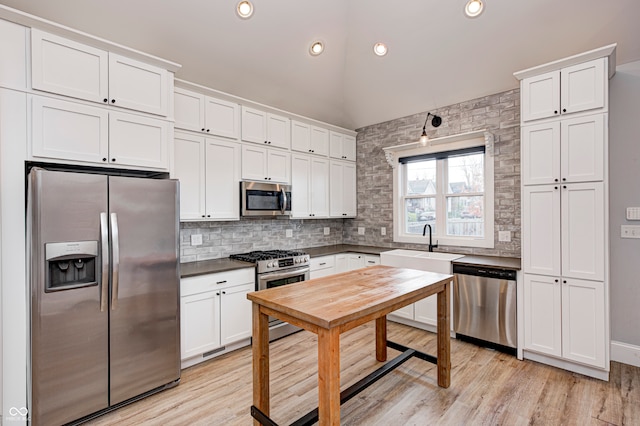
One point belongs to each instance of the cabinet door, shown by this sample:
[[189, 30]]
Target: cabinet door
[[407, 312], [582, 152], [223, 175], [349, 192], [583, 321], [336, 188], [278, 166], [541, 229], [335, 145], [583, 231], [235, 314], [68, 68], [189, 169], [188, 110], [341, 263], [69, 131], [199, 323], [426, 310], [319, 141], [541, 96], [254, 163], [13, 45], [254, 125], [541, 153], [136, 85], [278, 131], [301, 182], [355, 261], [371, 260], [542, 314], [222, 118], [300, 136], [583, 86], [138, 141], [349, 148], [319, 187]]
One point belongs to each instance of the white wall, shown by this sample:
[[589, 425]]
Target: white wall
[[624, 158]]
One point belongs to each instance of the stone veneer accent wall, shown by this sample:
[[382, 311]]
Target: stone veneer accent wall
[[220, 239], [498, 113]]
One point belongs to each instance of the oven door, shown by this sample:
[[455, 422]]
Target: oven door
[[279, 278]]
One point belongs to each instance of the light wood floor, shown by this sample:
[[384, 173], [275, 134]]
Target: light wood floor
[[487, 388]]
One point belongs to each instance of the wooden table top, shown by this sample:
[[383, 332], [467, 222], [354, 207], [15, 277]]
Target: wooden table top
[[341, 298]]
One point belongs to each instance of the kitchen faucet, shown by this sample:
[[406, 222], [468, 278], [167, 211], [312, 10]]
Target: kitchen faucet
[[424, 233]]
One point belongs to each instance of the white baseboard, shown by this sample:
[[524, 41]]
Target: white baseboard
[[625, 353]]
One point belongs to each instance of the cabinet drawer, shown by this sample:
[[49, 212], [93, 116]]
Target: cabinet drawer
[[323, 262], [203, 283]]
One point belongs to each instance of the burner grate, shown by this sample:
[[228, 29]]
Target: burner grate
[[256, 256]]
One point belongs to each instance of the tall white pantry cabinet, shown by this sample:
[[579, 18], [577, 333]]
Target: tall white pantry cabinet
[[565, 240]]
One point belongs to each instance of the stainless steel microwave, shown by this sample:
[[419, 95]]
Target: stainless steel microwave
[[265, 199]]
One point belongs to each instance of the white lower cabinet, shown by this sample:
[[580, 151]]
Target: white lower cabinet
[[70, 131], [215, 312], [322, 266], [565, 317], [209, 172], [345, 262]]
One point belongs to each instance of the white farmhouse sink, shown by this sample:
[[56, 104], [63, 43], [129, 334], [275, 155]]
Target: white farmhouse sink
[[422, 260]]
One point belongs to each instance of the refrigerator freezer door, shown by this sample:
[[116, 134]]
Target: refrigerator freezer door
[[69, 333], [145, 340]]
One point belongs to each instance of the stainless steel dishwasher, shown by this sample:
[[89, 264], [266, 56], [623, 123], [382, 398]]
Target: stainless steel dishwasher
[[484, 306]]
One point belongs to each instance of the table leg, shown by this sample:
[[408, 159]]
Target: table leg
[[329, 377], [260, 361], [381, 338], [444, 339]]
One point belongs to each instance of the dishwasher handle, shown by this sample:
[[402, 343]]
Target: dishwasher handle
[[488, 272]]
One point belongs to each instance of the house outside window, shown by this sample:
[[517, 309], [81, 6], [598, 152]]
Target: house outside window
[[448, 186]]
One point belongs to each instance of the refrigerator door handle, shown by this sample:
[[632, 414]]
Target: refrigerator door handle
[[115, 252], [104, 254]]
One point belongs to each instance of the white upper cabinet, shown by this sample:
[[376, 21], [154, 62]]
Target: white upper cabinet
[[342, 184], [69, 131], [265, 128], [309, 139], [13, 45], [266, 164], [570, 150], [342, 146], [310, 182], [200, 113], [80, 71], [209, 171], [573, 89]]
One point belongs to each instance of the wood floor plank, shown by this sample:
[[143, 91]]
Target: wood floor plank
[[487, 388]]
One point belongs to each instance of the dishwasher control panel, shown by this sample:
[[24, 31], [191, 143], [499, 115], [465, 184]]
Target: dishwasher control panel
[[482, 271]]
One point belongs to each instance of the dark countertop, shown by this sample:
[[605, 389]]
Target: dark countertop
[[490, 261], [213, 266], [192, 269]]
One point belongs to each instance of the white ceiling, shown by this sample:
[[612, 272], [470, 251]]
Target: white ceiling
[[436, 57]]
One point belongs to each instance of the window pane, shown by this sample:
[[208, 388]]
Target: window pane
[[465, 216], [418, 212], [466, 174], [421, 178]]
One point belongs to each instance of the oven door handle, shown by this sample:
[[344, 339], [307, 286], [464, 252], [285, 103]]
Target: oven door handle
[[283, 209], [288, 273]]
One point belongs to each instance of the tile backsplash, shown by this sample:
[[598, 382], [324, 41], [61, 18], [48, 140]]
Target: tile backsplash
[[220, 239]]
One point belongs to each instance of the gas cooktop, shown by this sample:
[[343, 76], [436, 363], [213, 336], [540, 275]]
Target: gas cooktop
[[255, 256], [274, 260]]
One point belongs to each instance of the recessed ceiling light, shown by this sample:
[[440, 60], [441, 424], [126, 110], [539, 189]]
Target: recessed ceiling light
[[474, 8], [380, 49], [317, 47], [245, 9]]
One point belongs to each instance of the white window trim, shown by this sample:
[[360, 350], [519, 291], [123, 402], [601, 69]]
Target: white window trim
[[461, 141]]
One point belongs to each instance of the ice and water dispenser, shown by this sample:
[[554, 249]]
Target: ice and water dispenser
[[70, 264]]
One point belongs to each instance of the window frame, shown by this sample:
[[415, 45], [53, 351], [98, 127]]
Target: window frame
[[399, 197]]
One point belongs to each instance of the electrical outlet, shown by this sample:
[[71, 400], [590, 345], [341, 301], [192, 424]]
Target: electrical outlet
[[289, 233], [327, 230], [630, 231], [383, 231], [504, 236], [196, 240], [360, 230]]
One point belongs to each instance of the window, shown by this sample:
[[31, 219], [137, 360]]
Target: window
[[450, 187]]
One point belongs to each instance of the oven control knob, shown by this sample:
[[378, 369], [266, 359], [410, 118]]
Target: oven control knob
[[306, 259], [270, 265]]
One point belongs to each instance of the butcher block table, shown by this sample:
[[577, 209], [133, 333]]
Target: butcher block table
[[334, 304]]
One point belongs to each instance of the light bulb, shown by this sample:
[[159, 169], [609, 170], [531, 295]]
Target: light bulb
[[316, 48], [473, 8], [424, 139], [245, 9], [380, 49]]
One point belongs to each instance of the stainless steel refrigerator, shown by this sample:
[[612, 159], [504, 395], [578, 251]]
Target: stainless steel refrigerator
[[104, 288]]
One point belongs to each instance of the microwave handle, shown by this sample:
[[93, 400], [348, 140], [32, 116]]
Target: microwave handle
[[283, 208]]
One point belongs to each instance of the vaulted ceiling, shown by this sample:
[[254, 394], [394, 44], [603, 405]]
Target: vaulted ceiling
[[437, 56]]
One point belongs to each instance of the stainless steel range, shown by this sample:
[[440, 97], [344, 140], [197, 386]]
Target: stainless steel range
[[275, 268]]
